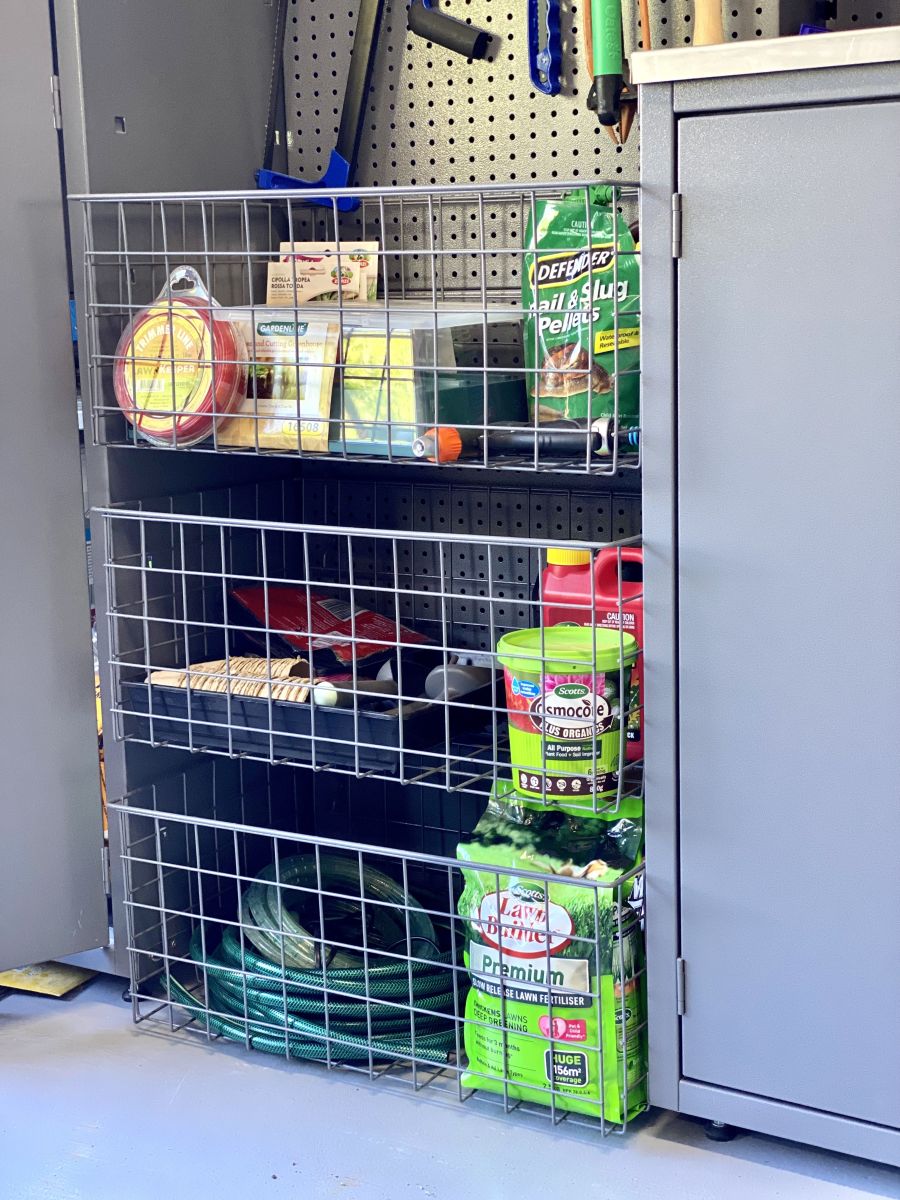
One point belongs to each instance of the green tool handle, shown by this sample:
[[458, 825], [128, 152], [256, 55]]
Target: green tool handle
[[606, 34]]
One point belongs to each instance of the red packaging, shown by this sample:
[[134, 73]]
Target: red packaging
[[576, 591], [325, 629], [180, 367]]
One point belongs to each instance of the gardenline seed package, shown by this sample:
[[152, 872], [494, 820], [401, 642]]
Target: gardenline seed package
[[520, 930], [292, 364], [568, 294]]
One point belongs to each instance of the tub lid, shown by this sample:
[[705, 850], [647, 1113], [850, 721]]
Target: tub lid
[[566, 648]]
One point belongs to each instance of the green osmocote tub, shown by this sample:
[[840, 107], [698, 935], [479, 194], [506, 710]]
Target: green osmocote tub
[[563, 694]]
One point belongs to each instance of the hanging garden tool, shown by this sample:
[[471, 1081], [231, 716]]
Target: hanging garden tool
[[342, 161], [545, 61], [606, 37], [619, 129], [428, 22]]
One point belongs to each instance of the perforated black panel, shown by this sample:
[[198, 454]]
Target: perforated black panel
[[433, 117]]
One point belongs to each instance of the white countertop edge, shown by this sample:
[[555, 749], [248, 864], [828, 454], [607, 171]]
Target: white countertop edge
[[814, 50]]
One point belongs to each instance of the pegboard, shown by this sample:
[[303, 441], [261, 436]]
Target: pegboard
[[504, 572], [860, 14], [488, 582], [434, 118]]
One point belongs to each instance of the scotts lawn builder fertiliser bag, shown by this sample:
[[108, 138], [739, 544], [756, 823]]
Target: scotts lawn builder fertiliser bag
[[567, 993], [568, 293]]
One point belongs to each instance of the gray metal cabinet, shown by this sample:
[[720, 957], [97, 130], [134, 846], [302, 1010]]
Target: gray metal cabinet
[[772, 570], [783, 568], [138, 121], [51, 881], [124, 125]]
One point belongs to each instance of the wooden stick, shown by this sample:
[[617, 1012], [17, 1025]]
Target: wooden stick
[[644, 6], [708, 29]]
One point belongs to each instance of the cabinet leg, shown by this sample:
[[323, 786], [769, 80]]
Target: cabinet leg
[[718, 1131]]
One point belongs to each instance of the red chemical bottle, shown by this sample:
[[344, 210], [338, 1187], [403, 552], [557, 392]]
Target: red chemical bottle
[[576, 591]]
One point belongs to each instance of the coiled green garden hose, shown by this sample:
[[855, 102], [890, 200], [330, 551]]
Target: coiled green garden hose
[[304, 1007]]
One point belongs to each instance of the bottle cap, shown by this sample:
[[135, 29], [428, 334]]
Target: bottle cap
[[568, 558]]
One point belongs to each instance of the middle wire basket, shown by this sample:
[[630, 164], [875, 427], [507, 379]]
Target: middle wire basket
[[461, 661]]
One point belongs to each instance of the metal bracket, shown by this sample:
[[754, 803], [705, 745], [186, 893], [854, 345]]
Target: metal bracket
[[105, 867], [56, 102], [676, 225], [679, 987]]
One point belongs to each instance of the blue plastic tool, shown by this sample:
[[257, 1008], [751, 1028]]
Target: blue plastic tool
[[342, 161], [545, 62], [337, 175]]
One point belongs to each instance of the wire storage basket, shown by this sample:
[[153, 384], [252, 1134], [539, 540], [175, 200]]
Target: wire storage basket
[[422, 655], [486, 977], [478, 327]]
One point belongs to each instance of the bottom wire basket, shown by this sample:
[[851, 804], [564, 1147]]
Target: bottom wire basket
[[513, 971]]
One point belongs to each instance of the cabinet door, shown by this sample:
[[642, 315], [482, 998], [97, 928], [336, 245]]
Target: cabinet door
[[789, 604], [51, 883]]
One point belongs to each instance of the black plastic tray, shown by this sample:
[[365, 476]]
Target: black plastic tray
[[365, 740]]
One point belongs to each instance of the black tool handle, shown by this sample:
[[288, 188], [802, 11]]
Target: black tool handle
[[276, 84], [558, 443], [609, 96], [359, 78], [446, 31], [561, 439]]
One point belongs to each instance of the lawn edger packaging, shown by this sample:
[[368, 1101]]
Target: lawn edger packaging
[[557, 997], [573, 285]]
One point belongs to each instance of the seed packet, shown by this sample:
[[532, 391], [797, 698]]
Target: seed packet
[[385, 386], [362, 254], [289, 382], [313, 275]]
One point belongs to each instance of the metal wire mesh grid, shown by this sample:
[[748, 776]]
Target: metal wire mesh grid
[[377, 652], [524, 987], [428, 342]]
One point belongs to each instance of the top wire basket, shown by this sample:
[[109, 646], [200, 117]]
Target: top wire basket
[[463, 326]]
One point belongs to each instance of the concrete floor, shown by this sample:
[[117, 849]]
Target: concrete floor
[[92, 1108]]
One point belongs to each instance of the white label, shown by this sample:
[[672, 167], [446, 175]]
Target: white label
[[525, 927], [572, 713], [566, 974]]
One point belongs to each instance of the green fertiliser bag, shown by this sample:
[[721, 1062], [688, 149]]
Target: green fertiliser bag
[[553, 985], [569, 289]]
